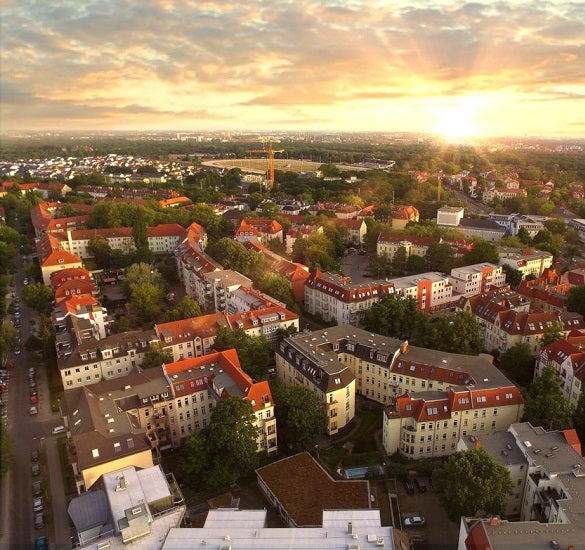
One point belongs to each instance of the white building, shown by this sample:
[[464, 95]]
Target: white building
[[477, 278], [450, 215], [429, 290]]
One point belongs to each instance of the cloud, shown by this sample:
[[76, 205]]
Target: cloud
[[266, 59]]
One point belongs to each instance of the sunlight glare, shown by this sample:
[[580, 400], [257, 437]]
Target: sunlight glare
[[455, 123]]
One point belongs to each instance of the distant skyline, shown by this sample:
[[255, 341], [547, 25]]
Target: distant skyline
[[461, 70]]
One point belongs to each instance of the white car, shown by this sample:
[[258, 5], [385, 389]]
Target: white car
[[33, 410], [414, 521]]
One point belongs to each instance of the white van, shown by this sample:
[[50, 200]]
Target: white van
[[59, 430]]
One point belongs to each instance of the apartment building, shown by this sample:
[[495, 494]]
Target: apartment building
[[430, 290], [113, 357], [194, 337], [334, 297], [527, 261], [514, 222], [476, 279], [389, 243], [53, 257], [262, 231], [568, 360], [83, 307], [450, 215], [551, 513]]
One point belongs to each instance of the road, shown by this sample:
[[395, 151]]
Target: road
[[27, 433]]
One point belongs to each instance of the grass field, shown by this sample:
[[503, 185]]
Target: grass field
[[261, 165]]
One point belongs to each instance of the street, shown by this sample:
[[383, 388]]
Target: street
[[28, 433]]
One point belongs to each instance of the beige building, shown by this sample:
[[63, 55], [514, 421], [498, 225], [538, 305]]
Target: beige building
[[477, 278], [430, 290], [527, 261]]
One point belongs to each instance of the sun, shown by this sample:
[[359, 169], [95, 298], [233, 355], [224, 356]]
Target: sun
[[455, 123]]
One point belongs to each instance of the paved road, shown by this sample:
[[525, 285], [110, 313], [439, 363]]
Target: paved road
[[27, 433]]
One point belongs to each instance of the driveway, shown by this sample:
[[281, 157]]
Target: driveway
[[354, 266]]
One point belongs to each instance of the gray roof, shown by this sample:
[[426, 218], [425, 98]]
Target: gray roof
[[500, 445], [89, 510]]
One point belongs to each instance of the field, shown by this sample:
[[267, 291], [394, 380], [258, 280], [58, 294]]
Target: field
[[260, 166]]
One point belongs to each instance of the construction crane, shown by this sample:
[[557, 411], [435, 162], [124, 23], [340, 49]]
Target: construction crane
[[269, 152]]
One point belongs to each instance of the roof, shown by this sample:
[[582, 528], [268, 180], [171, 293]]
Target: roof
[[304, 489], [341, 288]]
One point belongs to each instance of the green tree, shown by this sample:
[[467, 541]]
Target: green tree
[[416, 264], [145, 301], [300, 417], [185, 309], [546, 405], [231, 441], [579, 416], [156, 356], [470, 482], [482, 251], [392, 316], [552, 333], [440, 257], [8, 341], [140, 236], [464, 335], [6, 449], [399, 261], [278, 287], [100, 249], [513, 276], [38, 297], [576, 299], [518, 363], [524, 236], [140, 273], [194, 458]]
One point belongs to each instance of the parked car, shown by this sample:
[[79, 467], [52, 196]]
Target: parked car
[[34, 455], [41, 543], [34, 399], [421, 484], [409, 486], [35, 469], [33, 410], [39, 520], [38, 504], [37, 489], [414, 521]]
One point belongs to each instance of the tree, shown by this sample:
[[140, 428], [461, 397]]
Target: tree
[[579, 416], [38, 297], [472, 482], [482, 251], [8, 341], [253, 351], [392, 316], [399, 261], [416, 264], [300, 417], [513, 276], [546, 405], [518, 363], [140, 235], [194, 457], [576, 299], [440, 257], [278, 287], [185, 309], [156, 356], [231, 441], [145, 301], [524, 236], [139, 273], [100, 249], [464, 335], [552, 333]]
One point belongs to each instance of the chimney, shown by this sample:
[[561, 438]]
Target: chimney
[[350, 528], [494, 521], [404, 346], [477, 443]]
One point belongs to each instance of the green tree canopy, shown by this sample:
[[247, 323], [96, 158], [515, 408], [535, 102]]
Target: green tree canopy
[[440, 257], [140, 273], [38, 296], [482, 251], [513, 276], [470, 482], [546, 405], [576, 299], [579, 416], [100, 249], [8, 341], [145, 301], [278, 287], [392, 316], [300, 417], [231, 441], [518, 363], [185, 309], [156, 356], [553, 333]]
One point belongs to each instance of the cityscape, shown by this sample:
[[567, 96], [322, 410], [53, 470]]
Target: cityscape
[[292, 275]]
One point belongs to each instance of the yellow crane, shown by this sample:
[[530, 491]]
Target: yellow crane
[[269, 152]]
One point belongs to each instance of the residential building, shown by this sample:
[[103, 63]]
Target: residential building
[[514, 222], [83, 307], [568, 360], [53, 257], [476, 279], [262, 231], [527, 261], [302, 231], [401, 215], [219, 285], [300, 489], [485, 229], [502, 193], [388, 243], [430, 290], [546, 293], [130, 506], [450, 215], [306, 360], [73, 282], [341, 210], [579, 225], [248, 529], [113, 357], [194, 337], [295, 273], [551, 515], [334, 297], [192, 265]]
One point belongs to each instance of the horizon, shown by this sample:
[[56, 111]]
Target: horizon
[[471, 72]]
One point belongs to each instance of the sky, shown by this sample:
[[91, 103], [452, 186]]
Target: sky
[[486, 68]]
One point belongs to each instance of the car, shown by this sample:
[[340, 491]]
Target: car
[[41, 543], [33, 399], [35, 470], [421, 484], [39, 520], [38, 504], [37, 489], [33, 391], [33, 410], [25, 282], [17, 351], [34, 455], [414, 521], [409, 486]]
